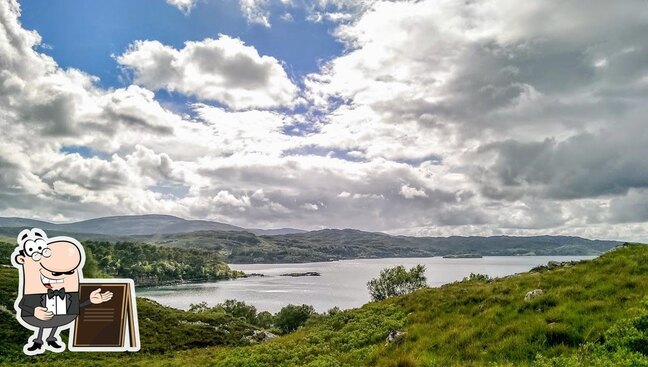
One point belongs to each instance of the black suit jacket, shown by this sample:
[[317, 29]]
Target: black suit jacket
[[30, 301]]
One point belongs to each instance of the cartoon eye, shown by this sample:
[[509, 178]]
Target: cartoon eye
[[47, 252], [30, 247], [36, 256], [40, 244]]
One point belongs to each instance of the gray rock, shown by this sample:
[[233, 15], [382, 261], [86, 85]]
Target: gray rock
[[395, 337], [533, 294], [260, 336]]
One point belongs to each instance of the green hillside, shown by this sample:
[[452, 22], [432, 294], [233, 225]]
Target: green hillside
[[338, 244], [334, 244], [578, 321], [148, 265]]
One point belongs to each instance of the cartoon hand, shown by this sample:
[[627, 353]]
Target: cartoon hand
[[41, 313], [97, 298]]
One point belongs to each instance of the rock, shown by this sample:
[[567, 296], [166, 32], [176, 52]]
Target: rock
[[260, 336], [251, 275], [533, 294], [306, 274], [395, 337]]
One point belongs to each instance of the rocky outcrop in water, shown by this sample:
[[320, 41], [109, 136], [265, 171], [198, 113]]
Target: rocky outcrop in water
[[306, 274]]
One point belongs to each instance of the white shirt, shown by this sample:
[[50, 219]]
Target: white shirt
[[56, 305]]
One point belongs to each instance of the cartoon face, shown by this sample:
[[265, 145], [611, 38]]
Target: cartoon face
[[49, 263]]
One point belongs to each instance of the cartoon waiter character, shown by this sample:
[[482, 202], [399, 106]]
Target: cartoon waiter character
[[48, 295]]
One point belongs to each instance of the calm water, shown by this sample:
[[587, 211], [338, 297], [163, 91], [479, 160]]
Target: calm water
[[342, 283]]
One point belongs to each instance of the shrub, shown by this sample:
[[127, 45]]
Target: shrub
[[397, 281], [477, 278], [291, 317]]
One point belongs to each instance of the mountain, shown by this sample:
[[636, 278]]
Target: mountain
[[125, 225], [335, 244], [240, 245], [275, 232], [129, 225]]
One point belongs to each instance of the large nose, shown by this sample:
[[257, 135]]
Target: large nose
[[65, 257]]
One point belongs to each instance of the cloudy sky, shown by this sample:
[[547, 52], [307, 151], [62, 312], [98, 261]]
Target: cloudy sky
[[412, 117]]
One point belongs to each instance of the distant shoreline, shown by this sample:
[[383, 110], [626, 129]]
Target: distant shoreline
[[405, 257]]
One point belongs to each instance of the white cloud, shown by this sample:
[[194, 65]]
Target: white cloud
[[256, 12], [310, 206], [225, 70], [409, 192], [462, 118], [184, 6], [287, 17]]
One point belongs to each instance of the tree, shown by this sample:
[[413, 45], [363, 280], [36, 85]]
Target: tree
[[199, 307], [264, 319], [91, 268], [397, 281], [291, 317], [239, 309]]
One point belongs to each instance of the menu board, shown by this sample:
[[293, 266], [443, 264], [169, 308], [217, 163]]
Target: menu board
[[108, 326]]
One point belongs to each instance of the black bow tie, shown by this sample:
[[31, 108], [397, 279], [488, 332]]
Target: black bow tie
[[52, 293]]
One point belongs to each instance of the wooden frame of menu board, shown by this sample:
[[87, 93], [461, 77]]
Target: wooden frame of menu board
[[110, 326]]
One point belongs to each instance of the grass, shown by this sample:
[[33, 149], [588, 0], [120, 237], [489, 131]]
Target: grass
[[472, 323]]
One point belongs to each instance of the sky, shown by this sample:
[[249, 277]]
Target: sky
[[427, 118]]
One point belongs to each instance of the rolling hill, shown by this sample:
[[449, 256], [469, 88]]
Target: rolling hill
[[239, 245], [334, 244], [128, 225]]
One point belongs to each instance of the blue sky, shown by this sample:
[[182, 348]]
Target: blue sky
[[84, 34]]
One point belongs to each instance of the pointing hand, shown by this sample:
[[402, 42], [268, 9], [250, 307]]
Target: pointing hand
[[96, 297]]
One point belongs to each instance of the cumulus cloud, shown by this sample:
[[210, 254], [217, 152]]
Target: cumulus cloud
[[256, 12], [225, 70], [184, 6], [438, 118], [409, 192]]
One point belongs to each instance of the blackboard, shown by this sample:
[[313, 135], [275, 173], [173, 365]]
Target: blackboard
[[108, 326]]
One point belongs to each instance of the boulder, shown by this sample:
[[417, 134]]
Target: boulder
[[533, 294], [395, 337], [259, 336]]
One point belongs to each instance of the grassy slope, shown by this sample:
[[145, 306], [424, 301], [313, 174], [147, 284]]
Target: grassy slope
[[468, 324], [162, 329]]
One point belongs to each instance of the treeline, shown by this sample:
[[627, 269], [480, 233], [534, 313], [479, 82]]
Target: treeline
[[154, 265], [333, 244], [146, 264]]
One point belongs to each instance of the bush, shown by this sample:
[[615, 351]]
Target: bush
[[291, 317], [397, 281], [239, 309], [477, 278], [264, 319]]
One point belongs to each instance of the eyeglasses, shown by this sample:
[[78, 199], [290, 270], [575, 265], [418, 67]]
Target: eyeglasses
[[36, 256], [36, 249]]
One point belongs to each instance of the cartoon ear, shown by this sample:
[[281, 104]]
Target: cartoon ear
[[20, 259], [23, 236]]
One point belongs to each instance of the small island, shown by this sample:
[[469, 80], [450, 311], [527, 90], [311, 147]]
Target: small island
[[306, 274], [463, 256]]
